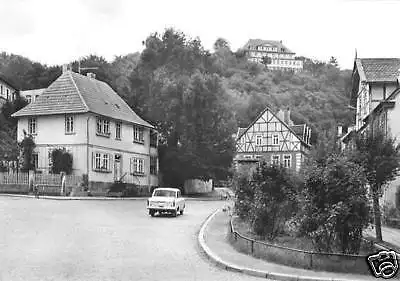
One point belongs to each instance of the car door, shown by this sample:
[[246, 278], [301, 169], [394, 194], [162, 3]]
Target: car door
[[180, 200]]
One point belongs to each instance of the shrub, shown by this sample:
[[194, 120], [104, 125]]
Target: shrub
[[61, 161], [274, 200], [244, 195], [335, 207]]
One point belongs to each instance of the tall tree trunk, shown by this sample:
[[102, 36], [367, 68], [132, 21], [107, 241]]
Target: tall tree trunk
[[377, 213]]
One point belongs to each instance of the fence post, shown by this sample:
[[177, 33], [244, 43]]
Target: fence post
[[252, 246], [311, 260]]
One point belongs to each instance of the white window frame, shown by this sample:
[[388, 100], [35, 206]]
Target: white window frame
[[275, 161], [35, 160], [275, 137], [101, 162], [138, 134], [259, 140], [287, 160], [137, 166], [103, 126], [29, 98], [32, 126], [69, 124], [118, 130]]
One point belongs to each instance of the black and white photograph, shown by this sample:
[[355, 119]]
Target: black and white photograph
[[199, 141]]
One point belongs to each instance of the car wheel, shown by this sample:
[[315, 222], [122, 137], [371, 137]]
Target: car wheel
[[181, 212], [174, 213], [151, 213]]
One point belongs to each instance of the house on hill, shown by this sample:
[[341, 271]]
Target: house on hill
[[8, 92], [31, 95], [272, 138], [375, 95], [278, 55], [107, 139]]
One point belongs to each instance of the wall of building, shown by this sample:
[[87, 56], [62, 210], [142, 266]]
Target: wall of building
[[6, 89]]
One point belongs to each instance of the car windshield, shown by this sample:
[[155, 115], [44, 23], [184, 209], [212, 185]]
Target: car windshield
[[164, 193]]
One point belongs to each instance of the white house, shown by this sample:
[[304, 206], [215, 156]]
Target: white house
[[31, 95], [107, 139], [8, 92]]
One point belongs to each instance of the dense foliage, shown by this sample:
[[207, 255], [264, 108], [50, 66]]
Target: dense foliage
[[335, 205], [61, 161], [379, 155], [27, 145], [267, 200], [197, 99]]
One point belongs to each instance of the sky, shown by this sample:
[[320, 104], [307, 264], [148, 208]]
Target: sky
[[57, 32]]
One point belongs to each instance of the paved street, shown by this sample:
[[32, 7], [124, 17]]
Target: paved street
[[102, 240]]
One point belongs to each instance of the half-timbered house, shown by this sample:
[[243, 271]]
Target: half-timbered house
[[272, 138]]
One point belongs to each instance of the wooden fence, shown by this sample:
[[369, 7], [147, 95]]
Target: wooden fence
[[39, 179]]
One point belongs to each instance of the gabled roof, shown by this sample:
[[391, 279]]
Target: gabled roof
[[277, 117], [75, 93], [378, 69], [258, 42]]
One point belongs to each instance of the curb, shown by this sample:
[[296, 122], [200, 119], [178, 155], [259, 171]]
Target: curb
[[88, 198], [249, 271]]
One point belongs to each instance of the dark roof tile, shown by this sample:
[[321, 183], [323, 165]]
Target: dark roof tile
[[379, 69]]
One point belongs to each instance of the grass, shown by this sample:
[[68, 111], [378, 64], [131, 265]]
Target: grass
[[296, 258]]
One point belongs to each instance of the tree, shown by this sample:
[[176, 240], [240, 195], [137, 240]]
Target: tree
[[334, 204], [274, 200], [61, 161], [333, 61], [379, 155], [221, 43], [266, 60], [27, 145]]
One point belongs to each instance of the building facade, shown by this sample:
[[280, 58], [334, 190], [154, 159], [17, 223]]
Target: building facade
[[375, 95], [106, 138], [279, 57], [272, 138], [8, 92]]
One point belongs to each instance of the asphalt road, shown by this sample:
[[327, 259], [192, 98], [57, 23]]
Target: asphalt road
[[102, 240]]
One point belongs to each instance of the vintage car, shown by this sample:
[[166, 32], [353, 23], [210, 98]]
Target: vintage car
[[166, 200]]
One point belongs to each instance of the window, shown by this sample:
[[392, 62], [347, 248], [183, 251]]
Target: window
[[69, 124], [287, 161], [29, 98], [35, 160], [138, 134], [1, 89], [103, 127], [8, 94], [105, 162], [258, 140], [275, 159], [101, 162], [36, 97], [118, 126], [32, 126], [153, 165], [137, 166], [275, 139], [153, 139]]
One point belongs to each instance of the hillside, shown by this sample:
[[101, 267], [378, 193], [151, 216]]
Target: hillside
[[186, 90]]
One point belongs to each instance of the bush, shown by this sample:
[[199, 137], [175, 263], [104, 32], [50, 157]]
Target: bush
[[244, 195], [335, 205], [61, 161], [274, 200]]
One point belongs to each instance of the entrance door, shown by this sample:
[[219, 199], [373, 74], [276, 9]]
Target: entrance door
[[117, 167]]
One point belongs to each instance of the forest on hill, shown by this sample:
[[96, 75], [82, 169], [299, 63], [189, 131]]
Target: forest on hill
[[197, 99]]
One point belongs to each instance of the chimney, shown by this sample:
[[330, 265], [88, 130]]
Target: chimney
[[91, 75], [286, 117]]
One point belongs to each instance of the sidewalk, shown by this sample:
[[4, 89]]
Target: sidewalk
[[213, 240], [389, 235]]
